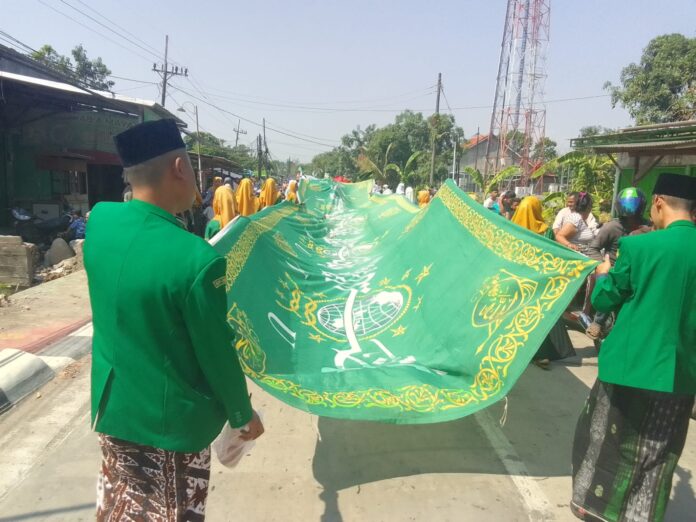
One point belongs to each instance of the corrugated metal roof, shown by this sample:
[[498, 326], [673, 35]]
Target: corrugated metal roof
[[66, 87], [646, 145]]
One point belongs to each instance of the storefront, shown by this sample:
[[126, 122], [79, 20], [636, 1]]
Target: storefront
[[56, 141]]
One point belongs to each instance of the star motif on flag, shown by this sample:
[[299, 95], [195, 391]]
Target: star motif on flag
[[384, 282], [398, 331], [280, 294], [316, 337], [283, 283], [418, 304], [406, 275], [424, 273]]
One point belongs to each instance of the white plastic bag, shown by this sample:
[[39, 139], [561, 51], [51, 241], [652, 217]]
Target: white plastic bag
[[229, 446]]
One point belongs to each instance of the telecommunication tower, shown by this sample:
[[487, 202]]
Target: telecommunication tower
[[518, 121]]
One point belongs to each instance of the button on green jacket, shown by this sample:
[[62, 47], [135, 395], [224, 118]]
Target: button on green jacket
[[653, 343], [165, 372]]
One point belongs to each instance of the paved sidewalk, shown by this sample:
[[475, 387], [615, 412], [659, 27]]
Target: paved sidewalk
[[44, 329]]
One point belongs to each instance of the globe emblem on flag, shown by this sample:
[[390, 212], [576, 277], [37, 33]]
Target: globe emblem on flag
[[370, 314]]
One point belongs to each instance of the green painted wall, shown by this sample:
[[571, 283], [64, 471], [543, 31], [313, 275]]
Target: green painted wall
[[647, 183]]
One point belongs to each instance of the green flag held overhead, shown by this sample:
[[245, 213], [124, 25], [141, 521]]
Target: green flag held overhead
[[360, 306]]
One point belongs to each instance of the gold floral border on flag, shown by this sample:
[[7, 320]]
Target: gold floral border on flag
[[505, 245]]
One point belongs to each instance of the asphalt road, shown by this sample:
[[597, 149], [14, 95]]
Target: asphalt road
[[309, 469]]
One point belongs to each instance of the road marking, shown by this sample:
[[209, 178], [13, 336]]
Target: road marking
[[48, 426], [537, 503]]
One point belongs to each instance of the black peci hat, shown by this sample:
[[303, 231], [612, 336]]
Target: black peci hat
[[676, 185], [148, 140]]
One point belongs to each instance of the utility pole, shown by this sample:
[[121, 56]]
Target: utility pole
[[266, 162], [454, 156], [435, 121], [166, 71], [198, 147], [238, 132], [259, 153]]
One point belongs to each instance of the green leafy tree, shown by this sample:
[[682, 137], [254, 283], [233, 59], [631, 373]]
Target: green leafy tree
[[544, 150], [662, 87], [241, 156], [594, 130], [94, 73]]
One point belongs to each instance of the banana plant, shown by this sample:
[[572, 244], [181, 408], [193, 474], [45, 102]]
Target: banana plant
[[487, 185], [407, 170], [370, 168]]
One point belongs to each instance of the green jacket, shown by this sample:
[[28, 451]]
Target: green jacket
[[165, 372], [653, 343]]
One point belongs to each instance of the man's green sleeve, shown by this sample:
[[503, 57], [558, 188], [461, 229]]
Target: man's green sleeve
[[614, 288], [213, 341]]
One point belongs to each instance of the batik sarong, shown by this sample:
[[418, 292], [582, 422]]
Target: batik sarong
[[142, 483], [627, 444]]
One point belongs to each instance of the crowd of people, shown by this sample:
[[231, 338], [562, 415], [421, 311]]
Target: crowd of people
[[164, 386]]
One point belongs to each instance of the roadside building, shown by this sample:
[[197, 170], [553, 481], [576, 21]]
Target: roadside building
[[56, 147], [641, 154]]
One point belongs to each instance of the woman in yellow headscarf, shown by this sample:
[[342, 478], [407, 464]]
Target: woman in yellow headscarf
[[423, 197], [528, 215], [557, 344], [246, 201], [225, 209], [269, 194], [291, 194]]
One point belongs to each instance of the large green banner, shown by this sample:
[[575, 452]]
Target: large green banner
[[362, 306]]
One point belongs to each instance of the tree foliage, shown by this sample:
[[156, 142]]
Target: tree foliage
[[94, 72], [211, 145], [662, 87], [397, 152]]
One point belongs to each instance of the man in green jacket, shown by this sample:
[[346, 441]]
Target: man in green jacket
[[165, 372], [633, 428]]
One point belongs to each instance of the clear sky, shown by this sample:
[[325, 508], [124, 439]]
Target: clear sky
[[359, 61]]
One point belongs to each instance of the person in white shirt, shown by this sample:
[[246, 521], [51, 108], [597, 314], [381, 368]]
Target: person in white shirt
[[565, 212], [491, 199], [410, 195], [575, 232]]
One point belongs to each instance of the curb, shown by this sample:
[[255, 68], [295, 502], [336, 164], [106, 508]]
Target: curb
[[22, 372], [55, 336]]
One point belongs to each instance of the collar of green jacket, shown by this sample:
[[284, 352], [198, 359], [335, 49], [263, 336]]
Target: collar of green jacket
[[144, 206], [681, 223]]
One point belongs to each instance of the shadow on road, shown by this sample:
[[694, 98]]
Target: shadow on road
[[542, 413], [41, 515]]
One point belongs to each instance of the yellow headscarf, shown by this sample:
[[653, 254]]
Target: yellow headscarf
[[224, 205], [246, 201], [269, 194], [292, 191], [528, 215], [423, 197]]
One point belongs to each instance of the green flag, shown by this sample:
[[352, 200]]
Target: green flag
[[362, 306]]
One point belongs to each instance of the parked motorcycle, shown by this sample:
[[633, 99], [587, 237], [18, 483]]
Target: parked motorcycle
[[33, 229]]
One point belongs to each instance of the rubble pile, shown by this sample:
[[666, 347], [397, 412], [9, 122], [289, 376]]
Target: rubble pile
[[64, 259]]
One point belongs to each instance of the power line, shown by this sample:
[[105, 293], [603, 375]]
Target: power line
[[312, 109], [251, 121], [109, 28], [156, 51], [93, 30], [19, 44], [253, 99], [132, 80]]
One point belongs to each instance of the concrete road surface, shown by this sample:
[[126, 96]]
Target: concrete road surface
[[309, 469]]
